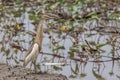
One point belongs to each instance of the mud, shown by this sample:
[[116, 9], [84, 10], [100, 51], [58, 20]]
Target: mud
[[8, 72]]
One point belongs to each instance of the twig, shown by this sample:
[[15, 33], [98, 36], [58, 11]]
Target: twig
[[52, 54]]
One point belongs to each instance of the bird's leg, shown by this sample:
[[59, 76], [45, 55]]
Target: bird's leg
[[35, 66], [31, 67], [24, 68]]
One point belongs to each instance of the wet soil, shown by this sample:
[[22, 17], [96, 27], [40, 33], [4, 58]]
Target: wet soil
[[8, 72]]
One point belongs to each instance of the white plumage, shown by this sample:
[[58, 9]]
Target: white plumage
[[33, 54], [34, 49]]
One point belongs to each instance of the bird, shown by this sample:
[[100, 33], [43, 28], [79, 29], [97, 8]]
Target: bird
[[35, 48]]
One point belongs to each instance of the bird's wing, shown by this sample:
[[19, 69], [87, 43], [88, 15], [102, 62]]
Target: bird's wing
[[33, 54], [29, 50]]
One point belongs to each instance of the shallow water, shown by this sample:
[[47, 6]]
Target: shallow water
[[85, 70]]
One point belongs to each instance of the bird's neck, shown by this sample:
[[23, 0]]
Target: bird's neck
[[39, 34]]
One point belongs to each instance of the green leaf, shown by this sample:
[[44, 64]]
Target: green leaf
[[101, 45], [91, 13], [74, 71], [16, 13], [7, 52], [74, 48], [116, 15], [72, 76], [31, 12], [55, 5], [76, 68], [21, 60], [47, 6], [92, 43], [3, 49], [75, 7], [82, 75], [72, 29], [33, 17], [57, 68], [94, 17], [98, 76], [71, 54], [112, 51], [1, 10], [83, 46], [60, 47], [17, 62]]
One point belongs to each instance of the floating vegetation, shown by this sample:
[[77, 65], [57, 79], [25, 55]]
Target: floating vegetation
[[78, 33]]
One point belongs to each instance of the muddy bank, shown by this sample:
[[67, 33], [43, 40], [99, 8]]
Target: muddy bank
[[19, 73]]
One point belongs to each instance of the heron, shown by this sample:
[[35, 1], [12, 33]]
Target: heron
[[35, 48]]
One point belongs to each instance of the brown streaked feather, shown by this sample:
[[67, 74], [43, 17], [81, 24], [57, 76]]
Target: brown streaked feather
[[39, 35], [38, 40]]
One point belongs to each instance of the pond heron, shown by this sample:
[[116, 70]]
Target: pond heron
[[35, 48]]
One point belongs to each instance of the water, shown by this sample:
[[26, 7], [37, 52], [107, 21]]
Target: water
[[85, 70]]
